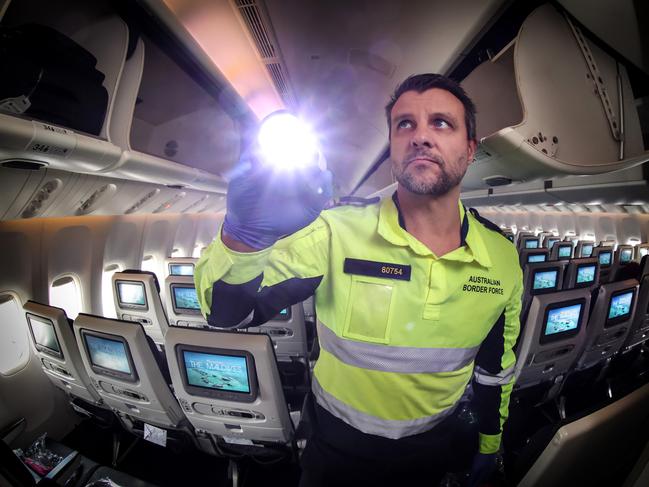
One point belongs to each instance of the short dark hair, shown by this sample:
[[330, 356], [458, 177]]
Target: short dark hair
[[427, 81]]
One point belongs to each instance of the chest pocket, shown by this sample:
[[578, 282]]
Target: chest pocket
[[369, 309]]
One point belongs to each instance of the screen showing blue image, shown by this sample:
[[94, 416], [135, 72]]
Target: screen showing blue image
[[284, 312], [185, 298], [586, 273], [562, 319], [545, 279], [536, 258], [215, 371], [510, 237], [551, 242], [626, 255], [44, 334], [605, 258], [620, 305], [181, 269], [108, 354], [565, 251], [586, 250], [532, 244], [131, 293]]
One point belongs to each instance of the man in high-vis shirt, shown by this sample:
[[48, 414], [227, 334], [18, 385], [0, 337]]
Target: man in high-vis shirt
[[416, 298]]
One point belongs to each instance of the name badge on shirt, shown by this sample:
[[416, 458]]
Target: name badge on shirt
[[377, 269]]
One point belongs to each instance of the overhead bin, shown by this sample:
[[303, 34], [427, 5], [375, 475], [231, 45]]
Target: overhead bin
[[552, 103]]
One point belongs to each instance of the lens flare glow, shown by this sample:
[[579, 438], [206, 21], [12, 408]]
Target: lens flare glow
[[286, 142]]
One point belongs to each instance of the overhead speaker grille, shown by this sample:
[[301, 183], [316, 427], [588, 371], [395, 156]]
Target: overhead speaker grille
[[251, 16]]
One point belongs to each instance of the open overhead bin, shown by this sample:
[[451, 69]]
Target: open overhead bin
[[552, 103]]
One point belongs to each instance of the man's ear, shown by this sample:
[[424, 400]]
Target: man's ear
[[471, 150]]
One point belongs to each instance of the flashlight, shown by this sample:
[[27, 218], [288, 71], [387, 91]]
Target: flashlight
[[286, 143]]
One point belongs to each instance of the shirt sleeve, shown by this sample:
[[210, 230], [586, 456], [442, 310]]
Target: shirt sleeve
[[236, 289], [494, 371]]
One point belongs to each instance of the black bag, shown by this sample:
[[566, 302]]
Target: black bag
[[49, 77]]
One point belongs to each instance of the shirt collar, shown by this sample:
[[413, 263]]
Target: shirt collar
[[393, 229]]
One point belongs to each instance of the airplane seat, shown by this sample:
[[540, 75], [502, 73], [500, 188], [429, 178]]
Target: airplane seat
[[561, 251], [527, 242], [583, 249], [288, 333], [639, 332], [604, 253], [540, 278], [182, 303], [54, 343], [530, 256], [551, 341], [180, 266], [127, 370], [593, 448], [229, 386], [582, 273], [137, 299], [608, 328]]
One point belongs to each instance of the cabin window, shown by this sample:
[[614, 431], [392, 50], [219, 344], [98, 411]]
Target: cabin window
[[65, 293], [177, 253], [107, 301], [197, 251], [14, 339]]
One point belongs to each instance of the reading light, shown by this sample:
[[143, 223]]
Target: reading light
[[286, 142]]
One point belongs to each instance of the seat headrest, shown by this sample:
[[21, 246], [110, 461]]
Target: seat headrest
[[644, 266], [148, 273]]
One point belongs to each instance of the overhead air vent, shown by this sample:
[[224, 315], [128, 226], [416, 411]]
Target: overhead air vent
[[20, 164], [38, 202], [260, 29], [497, 180]]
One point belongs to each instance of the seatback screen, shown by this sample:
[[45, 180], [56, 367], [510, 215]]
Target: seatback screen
[[536, 258], [586, 273], [532, 243], [181, 269], [216, 371], [643, 251], [131, 293], [185, 298], [551, 242], [108, 354], [565, 251], [44, 335], [562, 319], [586, 250], [605, 258], [626, 255], [620, 306], [545, 280]]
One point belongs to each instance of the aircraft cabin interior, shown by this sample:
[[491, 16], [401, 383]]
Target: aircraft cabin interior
[[121, 123]]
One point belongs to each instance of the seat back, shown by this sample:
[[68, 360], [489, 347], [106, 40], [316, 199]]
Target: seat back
[[182, 303], [541, 278], [228, 384], [552, 337], [127, 370], [639, 331], [54, 343], [137, 298], [288, 333], [550, 240], [528, 242], [591, 450], [609, 323], [582, 273], [531, 256], [583, 249], [561, 251], [604, 254], [640, 251], [623, 254], [180, 266]]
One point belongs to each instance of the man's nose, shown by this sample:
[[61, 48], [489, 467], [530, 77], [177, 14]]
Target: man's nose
[[422, 138]]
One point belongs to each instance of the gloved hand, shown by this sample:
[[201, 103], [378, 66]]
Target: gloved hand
[[484, 464], [264, 204]]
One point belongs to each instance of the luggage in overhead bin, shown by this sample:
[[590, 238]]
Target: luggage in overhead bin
[[48, 76]]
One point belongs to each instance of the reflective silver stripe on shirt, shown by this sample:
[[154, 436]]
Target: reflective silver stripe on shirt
[[407, 360], [487, 379], [372, 425]]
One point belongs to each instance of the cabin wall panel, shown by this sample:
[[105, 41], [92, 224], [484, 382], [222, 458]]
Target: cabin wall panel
[[186, 235], [208, 228]]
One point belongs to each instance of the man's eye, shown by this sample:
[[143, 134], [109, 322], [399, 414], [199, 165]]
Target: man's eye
[[404, 124], [441, 123]]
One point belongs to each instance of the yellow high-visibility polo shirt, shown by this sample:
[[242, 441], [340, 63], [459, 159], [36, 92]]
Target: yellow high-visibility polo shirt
[[402, 331]]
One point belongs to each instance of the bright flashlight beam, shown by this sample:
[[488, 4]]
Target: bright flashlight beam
[[286, 142]]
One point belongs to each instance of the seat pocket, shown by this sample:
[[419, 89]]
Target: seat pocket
[[369, 309]]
